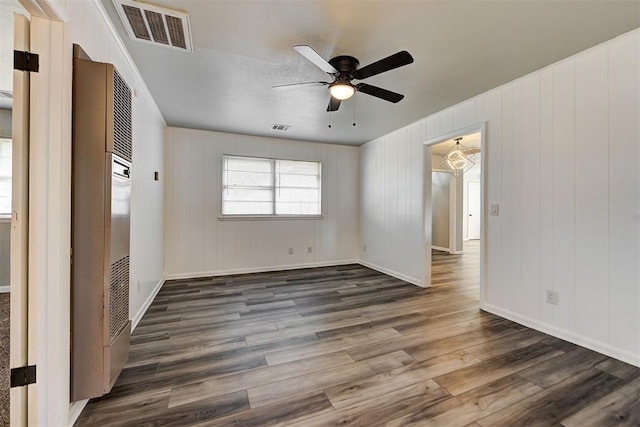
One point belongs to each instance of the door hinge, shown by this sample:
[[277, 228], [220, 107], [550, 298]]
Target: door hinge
[[22, 376], [25, 61]]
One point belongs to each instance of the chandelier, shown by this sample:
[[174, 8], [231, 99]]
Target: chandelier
[[458, 159]]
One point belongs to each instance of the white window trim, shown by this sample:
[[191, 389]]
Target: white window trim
[[269, 217], [236, 217]]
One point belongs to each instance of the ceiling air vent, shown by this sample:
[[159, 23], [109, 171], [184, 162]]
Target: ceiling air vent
[[279, 127], [152, 24]]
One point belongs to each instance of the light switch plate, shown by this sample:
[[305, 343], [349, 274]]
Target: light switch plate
[[494, 209]]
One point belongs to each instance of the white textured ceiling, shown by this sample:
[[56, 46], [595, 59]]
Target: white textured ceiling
[[461, 49]]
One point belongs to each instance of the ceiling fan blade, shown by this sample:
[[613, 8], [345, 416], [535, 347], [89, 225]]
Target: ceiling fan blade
[[378, 92], [293, 85], [334, 104], [313, 56], [389, 63]]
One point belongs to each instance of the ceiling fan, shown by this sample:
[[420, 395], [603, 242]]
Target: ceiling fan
[[344, 69]]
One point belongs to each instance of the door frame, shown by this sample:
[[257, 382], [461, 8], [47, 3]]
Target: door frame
[[49, 199], [18, 270], [426, 179]]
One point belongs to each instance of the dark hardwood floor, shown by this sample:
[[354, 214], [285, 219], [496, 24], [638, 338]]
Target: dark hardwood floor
[[350, 346]]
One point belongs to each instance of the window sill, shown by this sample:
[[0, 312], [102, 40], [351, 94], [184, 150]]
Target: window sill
[[267, 217]]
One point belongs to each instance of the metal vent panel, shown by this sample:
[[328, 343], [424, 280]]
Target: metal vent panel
[[153, 24], [156, 24], [280, 127], [118, 297], [176, 31], [136, 22], [122, 133]]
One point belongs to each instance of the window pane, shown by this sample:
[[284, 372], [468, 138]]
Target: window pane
[[248, 164], [5, 166], [298, 188], [250, 187], [248, 179], [297, 208], [247, 208], [296, 167], [298, 195], [307, 181], [247, 195], [5, 176]]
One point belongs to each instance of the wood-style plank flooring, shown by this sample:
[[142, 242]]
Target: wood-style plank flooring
[[350, 346]]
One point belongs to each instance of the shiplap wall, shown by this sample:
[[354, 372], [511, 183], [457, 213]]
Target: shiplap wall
[[87, 24], [198, 243], [562, 160], [391, 232], [90, 30]]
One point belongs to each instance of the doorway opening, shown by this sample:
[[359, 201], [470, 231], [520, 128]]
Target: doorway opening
[[455, 214]]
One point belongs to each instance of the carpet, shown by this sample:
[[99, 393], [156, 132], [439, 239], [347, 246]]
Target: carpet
[[4, 359]]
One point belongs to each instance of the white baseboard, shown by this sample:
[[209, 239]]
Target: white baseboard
[[395, 274], [440, 248], [5, 289], [75, 409], [198, 274], [600, 347], [136, 319]]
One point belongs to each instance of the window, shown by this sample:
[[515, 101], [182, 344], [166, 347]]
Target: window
[[270, 187], [5, 177]]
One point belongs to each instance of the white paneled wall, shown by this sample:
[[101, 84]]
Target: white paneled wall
[[562, 160], [90, 29], [391, 233], [198, 243], [88, 26]]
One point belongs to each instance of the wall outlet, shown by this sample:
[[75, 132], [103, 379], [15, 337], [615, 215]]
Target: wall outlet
[[309, 249], [290, 251], [552, 297], [364, 248]]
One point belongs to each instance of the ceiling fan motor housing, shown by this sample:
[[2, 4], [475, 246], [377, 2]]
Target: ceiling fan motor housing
[[346, 66]]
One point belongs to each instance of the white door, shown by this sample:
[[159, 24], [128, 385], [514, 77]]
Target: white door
[[19, 223], [474, 211]]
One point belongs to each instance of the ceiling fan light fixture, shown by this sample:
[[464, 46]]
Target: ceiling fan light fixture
[[341, 90]]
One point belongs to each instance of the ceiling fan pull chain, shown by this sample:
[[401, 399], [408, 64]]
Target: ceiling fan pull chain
[[354, 112]]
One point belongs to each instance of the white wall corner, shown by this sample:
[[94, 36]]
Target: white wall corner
[[75, 409], [404, 277], [600, 347], [145, 306]]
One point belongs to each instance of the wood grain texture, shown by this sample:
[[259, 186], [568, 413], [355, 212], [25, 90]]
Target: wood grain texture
[[350, 346]]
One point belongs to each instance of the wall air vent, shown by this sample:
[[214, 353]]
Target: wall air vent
[[279, 127], [156, 25]]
